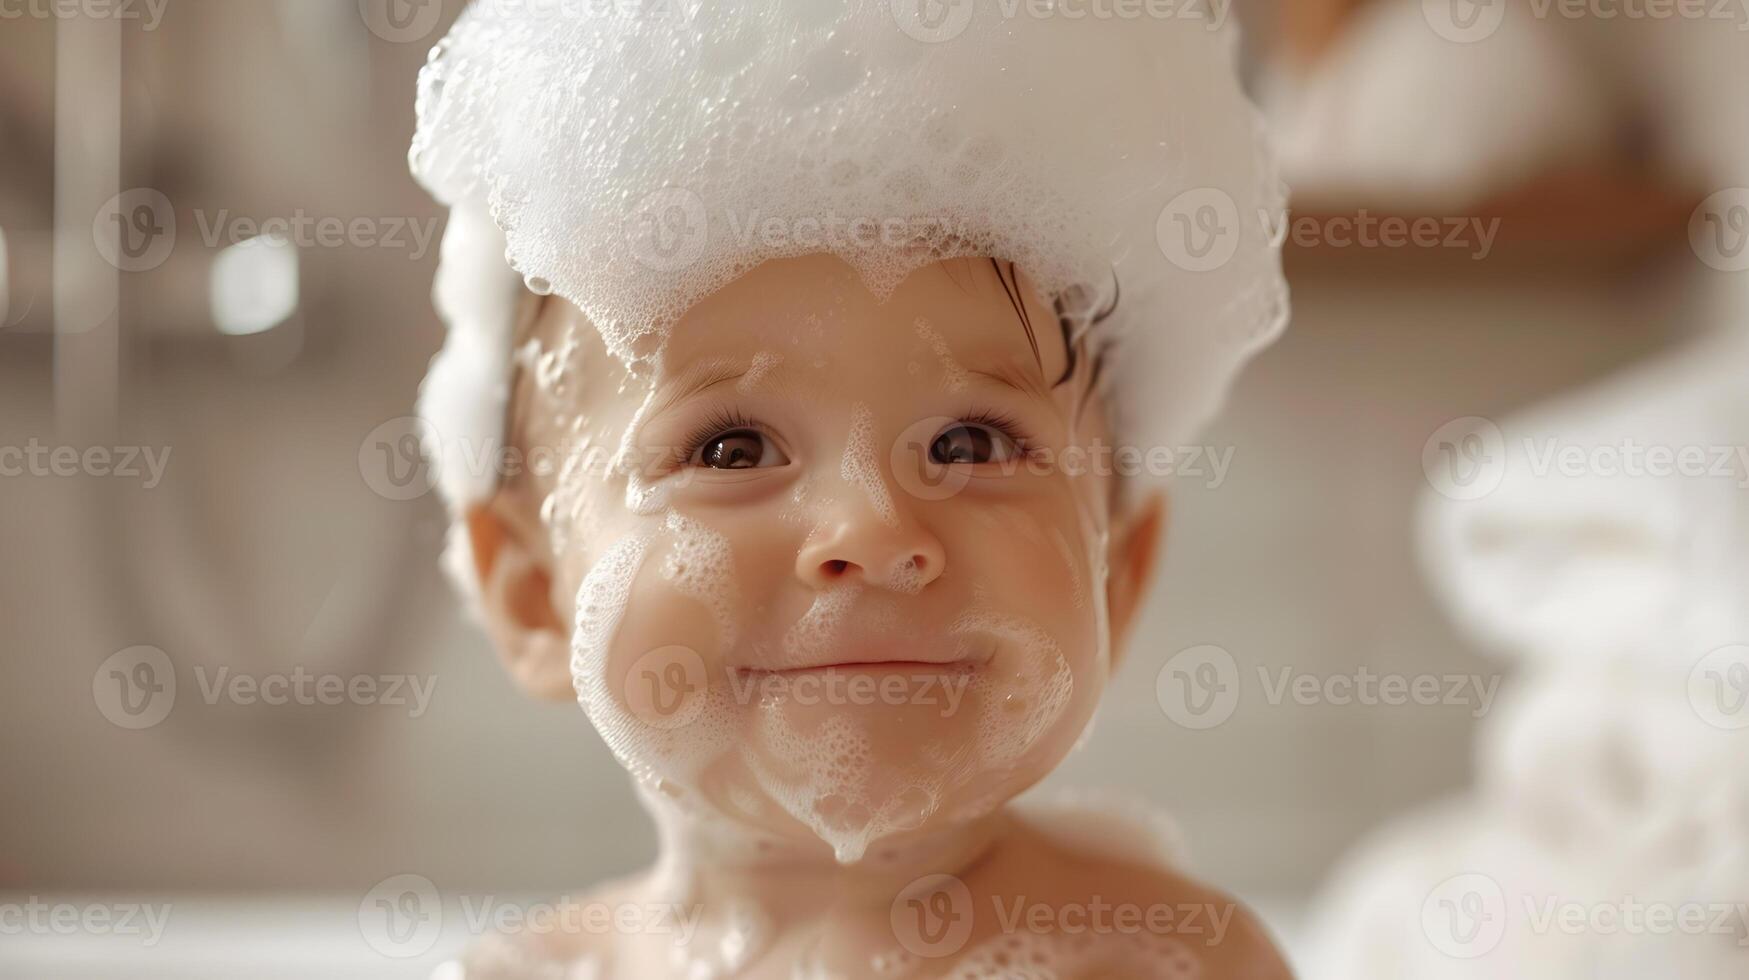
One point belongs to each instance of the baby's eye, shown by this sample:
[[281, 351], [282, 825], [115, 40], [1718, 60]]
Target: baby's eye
[[973, 442], [740, 449]]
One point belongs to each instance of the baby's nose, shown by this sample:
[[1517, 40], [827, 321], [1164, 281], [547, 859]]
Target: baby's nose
[[902, 558]]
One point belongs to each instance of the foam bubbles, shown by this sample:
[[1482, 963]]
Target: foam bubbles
[[700, 565], [1023, 955], [763, 363], [862, 464], [954, 374], [815, 632], [637, 161]]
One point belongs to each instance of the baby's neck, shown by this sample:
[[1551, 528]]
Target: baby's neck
[[703, 860]]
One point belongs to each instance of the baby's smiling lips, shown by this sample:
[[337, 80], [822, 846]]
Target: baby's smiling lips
[[961, 657], [864, 667]]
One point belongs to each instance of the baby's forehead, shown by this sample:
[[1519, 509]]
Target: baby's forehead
[[814, 315]]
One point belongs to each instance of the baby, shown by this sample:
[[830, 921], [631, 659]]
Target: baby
[[820, 518]]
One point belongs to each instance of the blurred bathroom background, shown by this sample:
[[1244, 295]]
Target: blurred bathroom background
[[1577, 185]]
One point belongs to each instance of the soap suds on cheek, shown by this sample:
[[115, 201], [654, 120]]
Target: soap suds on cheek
[[1023, 697], [663, 710], [700, 564], [601, 604]]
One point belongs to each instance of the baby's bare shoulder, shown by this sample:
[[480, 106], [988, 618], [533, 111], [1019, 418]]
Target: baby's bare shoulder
[[1068, 893], [566, 931]]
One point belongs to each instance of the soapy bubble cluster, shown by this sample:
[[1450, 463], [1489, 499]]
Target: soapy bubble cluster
[[635, 164]]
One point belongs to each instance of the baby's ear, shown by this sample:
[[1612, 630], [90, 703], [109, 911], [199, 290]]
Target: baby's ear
[[516, 581], [1136, 542]]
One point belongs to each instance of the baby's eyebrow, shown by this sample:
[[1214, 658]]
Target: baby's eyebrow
[[1010, 375], [696, 380]]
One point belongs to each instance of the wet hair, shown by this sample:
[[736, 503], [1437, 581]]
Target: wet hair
[[1077, 339]]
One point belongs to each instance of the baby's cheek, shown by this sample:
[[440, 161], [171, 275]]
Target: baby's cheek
[[1034, 557]]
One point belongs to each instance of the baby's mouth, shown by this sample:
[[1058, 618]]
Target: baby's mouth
[[865, 667], [963, 656]]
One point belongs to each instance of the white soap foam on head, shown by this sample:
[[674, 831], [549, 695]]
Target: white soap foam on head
[[637, 161]]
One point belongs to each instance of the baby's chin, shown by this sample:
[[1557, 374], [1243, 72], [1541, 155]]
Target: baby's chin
[[852, 775], [856, 811]]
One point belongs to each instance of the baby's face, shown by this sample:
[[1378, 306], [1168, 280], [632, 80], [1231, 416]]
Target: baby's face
[[842, 582]]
